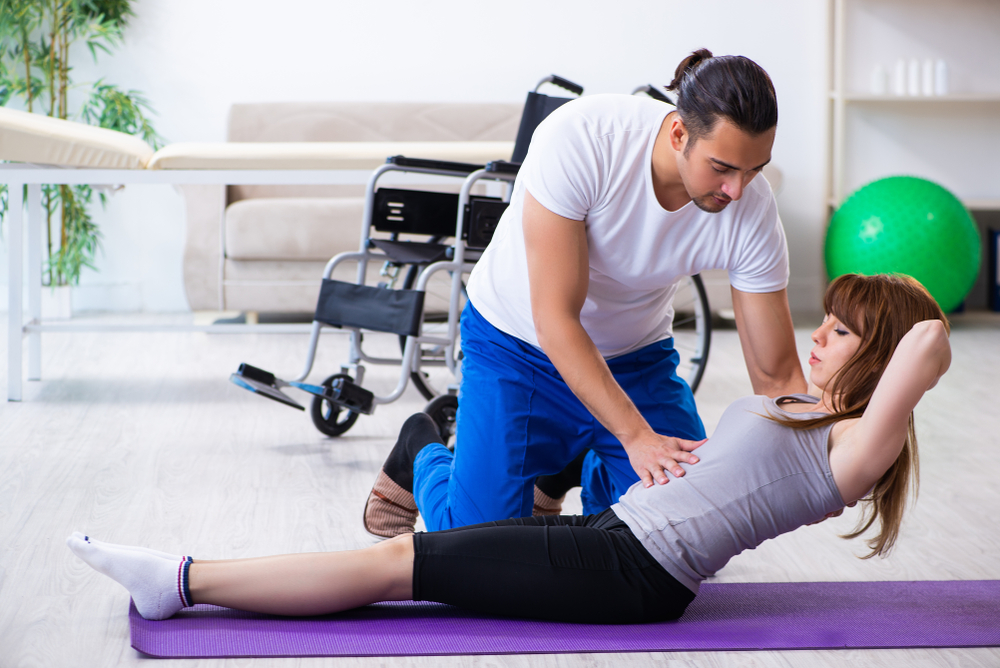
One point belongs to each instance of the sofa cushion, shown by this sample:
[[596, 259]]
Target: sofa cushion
[[283, 287], [290, 228]]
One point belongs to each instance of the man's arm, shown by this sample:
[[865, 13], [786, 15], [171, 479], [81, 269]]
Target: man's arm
[[559, 276], [764, 323]]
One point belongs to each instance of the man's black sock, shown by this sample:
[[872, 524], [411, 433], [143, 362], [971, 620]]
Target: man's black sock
[[418, 431], [556, 486]]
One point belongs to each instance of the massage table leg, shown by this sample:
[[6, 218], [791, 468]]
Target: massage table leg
[[15, 258], [35, 279]]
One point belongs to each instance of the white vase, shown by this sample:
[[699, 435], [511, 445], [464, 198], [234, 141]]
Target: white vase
[[57, 303], [940, 78]]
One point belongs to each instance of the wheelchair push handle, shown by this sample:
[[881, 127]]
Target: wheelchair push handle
[[562, 82], [655, 93]]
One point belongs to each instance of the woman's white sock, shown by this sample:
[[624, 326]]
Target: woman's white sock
[[158, 585], [134, 548]]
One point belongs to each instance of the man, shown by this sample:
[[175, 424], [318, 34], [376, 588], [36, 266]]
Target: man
[[567, 335]]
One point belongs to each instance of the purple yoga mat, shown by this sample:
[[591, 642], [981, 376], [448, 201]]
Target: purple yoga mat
[[806, 615]]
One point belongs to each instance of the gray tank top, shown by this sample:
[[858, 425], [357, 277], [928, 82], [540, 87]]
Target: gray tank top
[[755, 480]]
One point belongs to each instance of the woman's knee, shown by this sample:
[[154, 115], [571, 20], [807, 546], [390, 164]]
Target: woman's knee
[[394, 559], [399, 548]]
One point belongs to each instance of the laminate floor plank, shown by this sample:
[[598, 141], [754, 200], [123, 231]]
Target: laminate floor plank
[[139, 438]]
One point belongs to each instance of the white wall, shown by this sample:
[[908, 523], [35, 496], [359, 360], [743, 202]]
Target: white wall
[[193, 58]]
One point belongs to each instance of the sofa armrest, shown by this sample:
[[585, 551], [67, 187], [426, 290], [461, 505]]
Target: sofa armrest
[[203, 209]]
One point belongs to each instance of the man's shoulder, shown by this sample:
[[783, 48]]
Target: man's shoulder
[[615, 101], [608, 113]]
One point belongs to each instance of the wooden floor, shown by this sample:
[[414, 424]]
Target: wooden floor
[[139, 438]]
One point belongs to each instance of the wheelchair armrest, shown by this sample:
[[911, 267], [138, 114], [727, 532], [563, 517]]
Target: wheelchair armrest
[[502, 167], [444, 165]]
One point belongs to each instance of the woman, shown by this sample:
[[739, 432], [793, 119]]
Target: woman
[[771, 466]]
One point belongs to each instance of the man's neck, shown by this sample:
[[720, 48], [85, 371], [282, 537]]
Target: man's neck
[[667, 183]]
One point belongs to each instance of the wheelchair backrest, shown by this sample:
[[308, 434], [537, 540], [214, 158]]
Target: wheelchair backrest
[[404, 211], [536, 108]]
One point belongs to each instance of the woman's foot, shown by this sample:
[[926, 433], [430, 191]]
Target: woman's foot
[[158, 584], [391, 509], [133, 548]]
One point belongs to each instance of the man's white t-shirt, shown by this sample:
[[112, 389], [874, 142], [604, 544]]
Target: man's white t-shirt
[[591, 160]]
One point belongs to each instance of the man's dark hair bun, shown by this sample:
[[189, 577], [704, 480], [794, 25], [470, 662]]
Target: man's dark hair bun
[[710, 87], [687, 65]]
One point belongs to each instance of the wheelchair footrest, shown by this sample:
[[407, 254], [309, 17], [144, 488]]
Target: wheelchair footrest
[[317, 390], [346, 394], [263, 383]]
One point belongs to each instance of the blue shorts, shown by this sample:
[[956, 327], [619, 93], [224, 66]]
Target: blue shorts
[[517, 420]]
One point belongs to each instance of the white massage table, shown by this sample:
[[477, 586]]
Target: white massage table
[[47, 150]]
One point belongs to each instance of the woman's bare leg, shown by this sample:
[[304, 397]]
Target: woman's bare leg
[[310, 583], [292, 584]]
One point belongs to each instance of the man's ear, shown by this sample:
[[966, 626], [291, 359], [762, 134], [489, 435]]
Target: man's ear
[[678, 134]]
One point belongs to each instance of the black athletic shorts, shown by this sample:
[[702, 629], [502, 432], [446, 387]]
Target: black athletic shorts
[[570, 568]]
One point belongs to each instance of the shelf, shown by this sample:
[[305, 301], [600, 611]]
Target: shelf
[[975, 204], [985, 204], [910, 99]]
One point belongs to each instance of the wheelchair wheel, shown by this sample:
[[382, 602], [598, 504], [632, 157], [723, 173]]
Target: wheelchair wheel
[[692, 329], [328, 417], [434, 379], [444, 411]]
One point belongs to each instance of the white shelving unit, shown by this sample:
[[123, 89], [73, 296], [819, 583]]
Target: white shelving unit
[[953, 139], [906, 99]]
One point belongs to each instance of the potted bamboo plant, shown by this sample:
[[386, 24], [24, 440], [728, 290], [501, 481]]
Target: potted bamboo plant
[[35, 75]]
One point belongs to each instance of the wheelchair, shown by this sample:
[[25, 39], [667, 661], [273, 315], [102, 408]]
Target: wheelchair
[[433, 241]]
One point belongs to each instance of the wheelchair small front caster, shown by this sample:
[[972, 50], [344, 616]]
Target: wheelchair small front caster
[[444, 411], [329, 418]]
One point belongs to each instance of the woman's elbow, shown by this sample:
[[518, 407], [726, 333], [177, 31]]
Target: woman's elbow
[[931, 338]]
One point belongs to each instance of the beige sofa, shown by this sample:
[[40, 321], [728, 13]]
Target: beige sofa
[[263, 248]]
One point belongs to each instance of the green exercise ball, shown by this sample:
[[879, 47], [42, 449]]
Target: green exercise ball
[[906, 225]]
